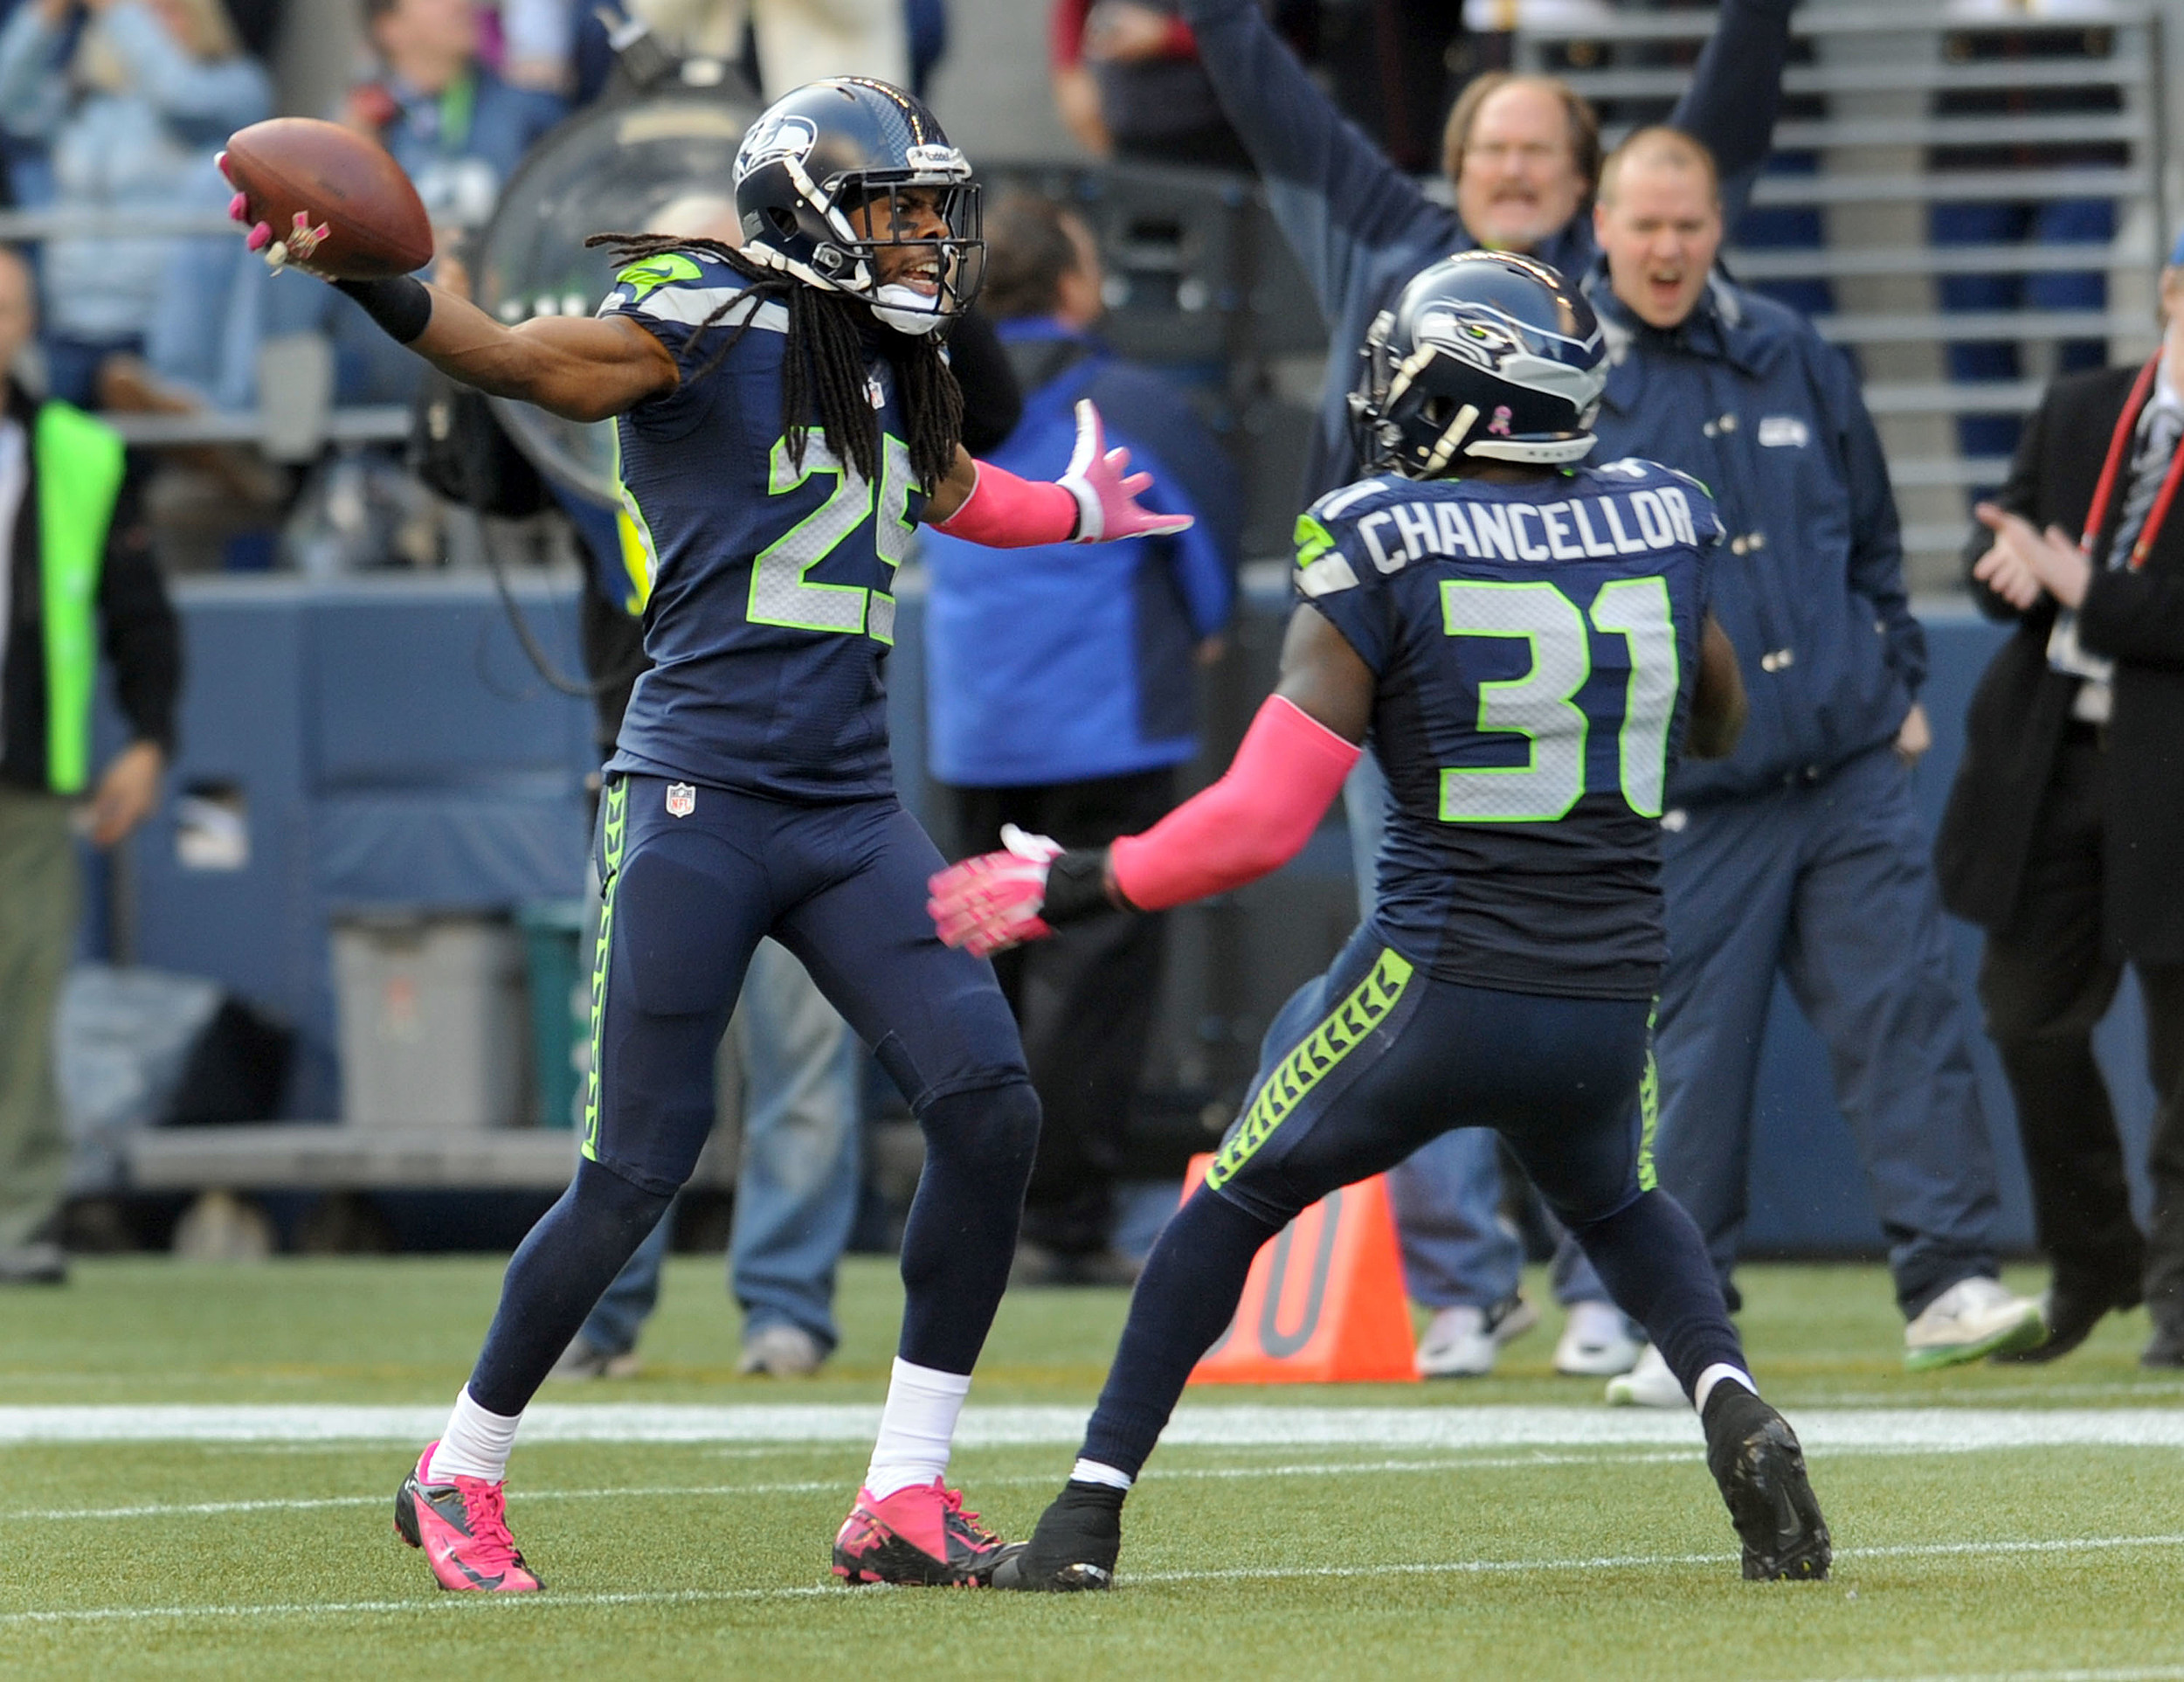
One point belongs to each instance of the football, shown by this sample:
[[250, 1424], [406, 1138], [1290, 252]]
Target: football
[[337, 202]]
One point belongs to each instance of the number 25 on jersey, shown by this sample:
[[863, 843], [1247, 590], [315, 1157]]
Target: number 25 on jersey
[[1542, 707]]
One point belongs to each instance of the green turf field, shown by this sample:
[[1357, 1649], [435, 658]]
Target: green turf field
[[1373, 1541]]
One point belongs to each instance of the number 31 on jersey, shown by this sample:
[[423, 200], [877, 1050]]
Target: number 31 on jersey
[[1541, 706]]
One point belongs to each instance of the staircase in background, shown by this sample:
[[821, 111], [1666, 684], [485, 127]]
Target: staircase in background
[[1998, 112]]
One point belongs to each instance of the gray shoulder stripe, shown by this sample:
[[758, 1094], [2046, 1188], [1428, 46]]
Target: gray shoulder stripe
[[691, 304], [1326, 576], [1331, 505]]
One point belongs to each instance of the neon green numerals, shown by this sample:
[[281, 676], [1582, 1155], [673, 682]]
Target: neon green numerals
[[1541, 706], [1637, 610], [781, 590]]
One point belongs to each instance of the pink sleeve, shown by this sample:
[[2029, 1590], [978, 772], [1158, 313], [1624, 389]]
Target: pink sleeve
[[1006, 512], [1285, 775]]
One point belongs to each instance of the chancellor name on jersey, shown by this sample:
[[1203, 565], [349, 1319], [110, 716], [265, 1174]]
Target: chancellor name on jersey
[[775, 685], [1535, 648]]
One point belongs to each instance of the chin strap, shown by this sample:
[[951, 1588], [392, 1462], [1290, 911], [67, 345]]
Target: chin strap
[[906, 310]]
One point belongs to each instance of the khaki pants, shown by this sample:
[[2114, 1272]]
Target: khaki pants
[[40, 894]]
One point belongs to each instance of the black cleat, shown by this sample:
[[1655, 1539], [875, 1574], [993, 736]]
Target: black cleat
[[1755, 1458], [2072, 1311], [1074, 1548]]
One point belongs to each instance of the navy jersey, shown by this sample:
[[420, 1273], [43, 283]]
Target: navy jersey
[[771, 607], [1535, 646]]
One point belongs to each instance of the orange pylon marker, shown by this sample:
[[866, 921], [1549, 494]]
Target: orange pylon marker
[[1323, 1304]]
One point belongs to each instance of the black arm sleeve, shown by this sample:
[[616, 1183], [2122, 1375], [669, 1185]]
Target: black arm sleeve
[[992, 404], [142, 637]]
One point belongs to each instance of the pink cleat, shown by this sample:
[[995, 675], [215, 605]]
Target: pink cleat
[[462, 1526], [918, 1535]]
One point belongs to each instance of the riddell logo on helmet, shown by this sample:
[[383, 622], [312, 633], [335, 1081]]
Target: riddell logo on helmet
[[930, 160]]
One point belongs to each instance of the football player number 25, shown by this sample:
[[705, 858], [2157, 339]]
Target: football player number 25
[[781, 590], [1542, 705]]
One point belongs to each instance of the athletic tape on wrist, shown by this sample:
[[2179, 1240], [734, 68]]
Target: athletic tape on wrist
[[401, 307], [1076, 887]]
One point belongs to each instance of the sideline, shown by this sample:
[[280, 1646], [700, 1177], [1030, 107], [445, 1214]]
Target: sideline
[[1935, 1430]]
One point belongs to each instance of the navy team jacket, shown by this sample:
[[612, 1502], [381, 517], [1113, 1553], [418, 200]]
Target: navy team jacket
[[1746, 398]]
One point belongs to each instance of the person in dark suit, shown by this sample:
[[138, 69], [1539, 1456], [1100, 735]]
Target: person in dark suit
[[2064, 834]]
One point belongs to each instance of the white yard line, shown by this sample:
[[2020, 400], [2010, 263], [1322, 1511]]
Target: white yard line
[[522, 1496], [2130, 1673], [550, 1601], [1197, 1424]]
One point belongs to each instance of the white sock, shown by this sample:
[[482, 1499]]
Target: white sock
[[476, 1442], [1715, 1375], [917, 1428], [1091, 1471]]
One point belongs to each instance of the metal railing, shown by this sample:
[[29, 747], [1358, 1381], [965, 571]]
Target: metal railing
[[282, 433], [1875, 91]]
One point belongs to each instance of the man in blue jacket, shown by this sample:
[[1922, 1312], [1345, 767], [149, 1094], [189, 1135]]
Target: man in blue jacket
[[1059, 693], [1523, 155], [1800, 853]]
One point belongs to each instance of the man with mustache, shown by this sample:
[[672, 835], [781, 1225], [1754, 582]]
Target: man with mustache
[[1523, 155]]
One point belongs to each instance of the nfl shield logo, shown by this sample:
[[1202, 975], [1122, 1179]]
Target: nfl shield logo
[[683, 799]]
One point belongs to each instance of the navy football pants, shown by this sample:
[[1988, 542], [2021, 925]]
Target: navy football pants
[[686, 899], [1361, 1068]]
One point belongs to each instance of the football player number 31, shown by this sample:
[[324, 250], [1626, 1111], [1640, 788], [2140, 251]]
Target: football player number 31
[[1542, 705]]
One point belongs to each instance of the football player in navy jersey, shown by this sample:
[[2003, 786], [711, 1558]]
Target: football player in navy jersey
[[1526, 644], [786, 416]]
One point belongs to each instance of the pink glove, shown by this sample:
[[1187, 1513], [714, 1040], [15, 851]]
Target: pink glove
[[1107, 500], [991, 902]]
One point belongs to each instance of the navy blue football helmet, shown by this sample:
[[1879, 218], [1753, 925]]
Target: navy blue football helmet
[[829, 147], [1483, 354]]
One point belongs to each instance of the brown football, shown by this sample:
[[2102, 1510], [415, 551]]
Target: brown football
[[337, 201]]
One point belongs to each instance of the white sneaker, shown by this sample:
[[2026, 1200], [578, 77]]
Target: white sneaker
[[780, 1351], [1462, 1341], [1596, 1342], [1649, 1384], [1972, 1317], [584, 1360]]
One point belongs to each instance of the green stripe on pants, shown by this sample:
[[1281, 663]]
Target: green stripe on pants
[[613, 828], [1312, 1059], [39, 897], [1648, 1109]]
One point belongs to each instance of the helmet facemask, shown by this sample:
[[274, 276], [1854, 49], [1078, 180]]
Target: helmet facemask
[[953, 264], [819, 243]]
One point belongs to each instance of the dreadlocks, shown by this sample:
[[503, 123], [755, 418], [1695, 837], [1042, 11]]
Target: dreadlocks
[[825, 359]]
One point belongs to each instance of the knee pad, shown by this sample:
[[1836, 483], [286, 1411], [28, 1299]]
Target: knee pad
[[609, 1204], [993, 1130]]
